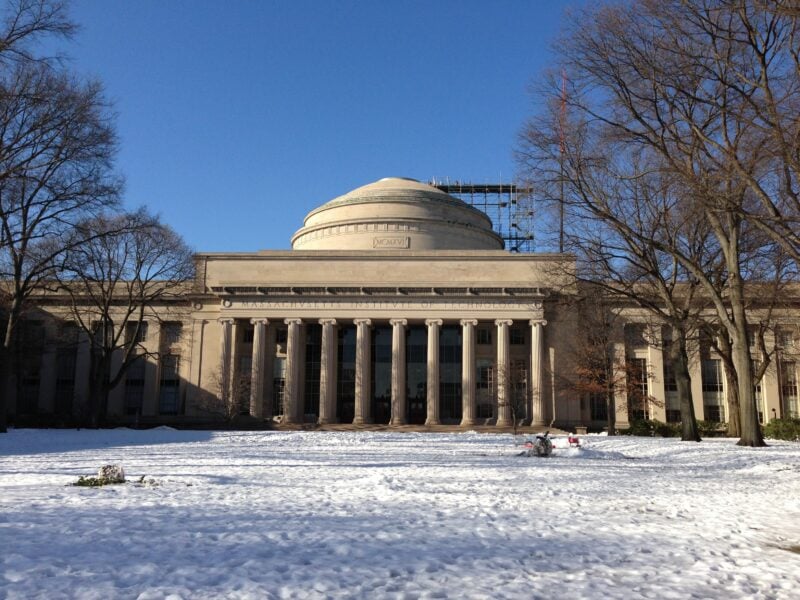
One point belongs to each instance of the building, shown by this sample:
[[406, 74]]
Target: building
[[387, 288]]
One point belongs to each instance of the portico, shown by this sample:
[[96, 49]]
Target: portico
[[296, 378], [396, 305]]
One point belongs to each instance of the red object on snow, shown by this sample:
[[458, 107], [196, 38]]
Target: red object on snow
[[574, 442]]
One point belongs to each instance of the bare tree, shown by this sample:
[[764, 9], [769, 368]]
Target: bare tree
[[24, 23], [116, 270], [622, 207], [57, 144], [674, 77]]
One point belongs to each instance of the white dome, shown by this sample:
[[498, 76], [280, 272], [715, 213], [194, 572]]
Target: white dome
[[396, 213]]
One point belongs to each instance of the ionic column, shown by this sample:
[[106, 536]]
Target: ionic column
[[468, 371], [327, 373], [257, 370], [537, 348], [433, 371], [225, 360], [503, 404], [291, 397], [362, 407], [398, 371]]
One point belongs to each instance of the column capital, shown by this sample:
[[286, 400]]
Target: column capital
[[542, 322], [431, 322], [500, 322], [293, 321], [472, 322], [226, 321], [401, 322], [327, 321], [259, 321], [367, 322]]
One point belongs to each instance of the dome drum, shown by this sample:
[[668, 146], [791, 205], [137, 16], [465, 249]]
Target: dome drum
[[396, 214]]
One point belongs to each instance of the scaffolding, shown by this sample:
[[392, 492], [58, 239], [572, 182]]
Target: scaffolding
[[508, 205]]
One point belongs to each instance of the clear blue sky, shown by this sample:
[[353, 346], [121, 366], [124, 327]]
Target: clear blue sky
[[237, 118]]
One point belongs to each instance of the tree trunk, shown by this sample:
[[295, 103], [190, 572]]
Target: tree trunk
[[98, 391], [734, 420], [679, 357], [732, 383], [5, 383], [751, 434], [611, 414], [6, 355]]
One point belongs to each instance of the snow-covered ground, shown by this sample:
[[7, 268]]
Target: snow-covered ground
[[395, 515]]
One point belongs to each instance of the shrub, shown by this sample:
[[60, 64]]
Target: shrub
[[653, 428], [783, 429], [711, 428]]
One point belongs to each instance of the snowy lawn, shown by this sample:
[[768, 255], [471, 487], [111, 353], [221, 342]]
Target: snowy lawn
[[395, 515]]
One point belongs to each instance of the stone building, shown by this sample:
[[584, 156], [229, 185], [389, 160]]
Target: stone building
[[388, 288]]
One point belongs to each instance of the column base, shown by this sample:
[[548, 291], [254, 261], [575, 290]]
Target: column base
[[396, 422], [538, 424], [467, 422], [504, 423], [430, 422], [332, 421], [362, 421]]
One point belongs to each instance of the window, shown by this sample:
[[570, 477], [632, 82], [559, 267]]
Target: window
[[485, 375], [713, 390], [249, 333], [516, 336], [638, 391], [485, 388], [673, 415], [134, 386], [132, 329], [670, 385], [281, 335], [171, 333], [241, 384], [484, 336], [785, 339], [278, 385], [168, 385], [30, 356], [598, 407], [789, 388]]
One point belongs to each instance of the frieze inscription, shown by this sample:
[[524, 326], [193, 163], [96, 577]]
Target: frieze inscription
[[379, 305], [391, 242]]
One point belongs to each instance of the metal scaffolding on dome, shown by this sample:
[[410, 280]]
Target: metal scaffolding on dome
[[509, 206]]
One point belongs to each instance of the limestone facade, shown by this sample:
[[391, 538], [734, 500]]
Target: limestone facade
[[396, 305]]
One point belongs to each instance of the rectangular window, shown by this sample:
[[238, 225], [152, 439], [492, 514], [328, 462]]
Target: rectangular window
[[598, 407], [485, 388], [133, 330], [483, 336], [168, 385], [171, 333], [281, 335], [638, 389], [516, 336], [785, 339], [670, 385], [249, 333], [30, 350], [713, 390], [134, 386], [241, 384], [278, 385], [789, 388], [673, 415]]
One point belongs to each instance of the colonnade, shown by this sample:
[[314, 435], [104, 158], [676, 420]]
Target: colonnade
[[293, 403]]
